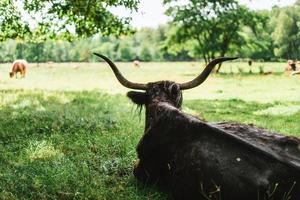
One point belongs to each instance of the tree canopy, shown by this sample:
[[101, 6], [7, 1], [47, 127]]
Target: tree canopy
[[211, 28], [11, 24], [286, 31], [63, 18]]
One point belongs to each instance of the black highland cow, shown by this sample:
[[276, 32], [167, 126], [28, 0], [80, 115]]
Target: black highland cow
[[194, 159]]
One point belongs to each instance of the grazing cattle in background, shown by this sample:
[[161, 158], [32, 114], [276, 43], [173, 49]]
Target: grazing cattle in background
[[291, 66], [250, 63], [193, 159], [136, 63], [18, 66]]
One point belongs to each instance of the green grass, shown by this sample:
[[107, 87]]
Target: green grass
[[67, 134], [67, 145], [283, 117]]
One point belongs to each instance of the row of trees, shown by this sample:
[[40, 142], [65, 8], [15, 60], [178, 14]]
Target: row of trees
[[146, 45], [198, 30]]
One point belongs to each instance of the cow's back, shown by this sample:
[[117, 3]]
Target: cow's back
[[19, 66], [220, 168]]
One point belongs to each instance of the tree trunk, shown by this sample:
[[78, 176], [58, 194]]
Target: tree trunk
[[220, 64]]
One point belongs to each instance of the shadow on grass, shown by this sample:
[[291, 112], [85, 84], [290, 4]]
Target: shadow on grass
[[68, 145]]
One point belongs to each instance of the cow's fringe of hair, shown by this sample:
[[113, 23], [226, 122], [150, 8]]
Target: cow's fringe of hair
[[138, 109]]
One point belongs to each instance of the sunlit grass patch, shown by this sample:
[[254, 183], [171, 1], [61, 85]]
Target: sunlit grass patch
[[285, 110], [7, 98], [277, 86], [58, 96], [42, 150], [28, 103]]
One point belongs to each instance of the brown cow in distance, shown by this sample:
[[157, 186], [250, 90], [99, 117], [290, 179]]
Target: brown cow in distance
[[291, 66], [197, 160], [18, 66]]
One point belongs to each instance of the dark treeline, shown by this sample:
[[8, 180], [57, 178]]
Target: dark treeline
[[276, 37]]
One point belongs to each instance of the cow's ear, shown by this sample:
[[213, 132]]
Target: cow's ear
[[137, 97]]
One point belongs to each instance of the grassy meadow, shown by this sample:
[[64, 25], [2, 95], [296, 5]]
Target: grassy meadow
[[67, 131]]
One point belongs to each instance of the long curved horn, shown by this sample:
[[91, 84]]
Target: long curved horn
[[120, 77], [205, 73]]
